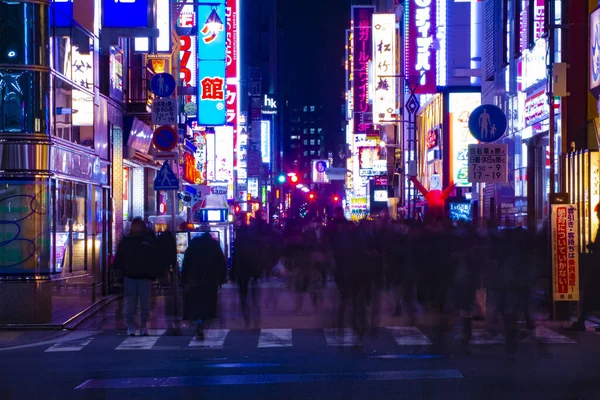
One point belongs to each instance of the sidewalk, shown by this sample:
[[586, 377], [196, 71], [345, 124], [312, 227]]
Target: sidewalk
[[278, 310]]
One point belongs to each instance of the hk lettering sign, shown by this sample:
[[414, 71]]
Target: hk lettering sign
[[420, 53], [362, 51]]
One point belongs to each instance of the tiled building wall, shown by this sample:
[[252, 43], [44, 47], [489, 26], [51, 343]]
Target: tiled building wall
[[138, 192]]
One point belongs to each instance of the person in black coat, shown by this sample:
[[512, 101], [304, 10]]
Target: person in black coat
[[204, 270], [137, 259]]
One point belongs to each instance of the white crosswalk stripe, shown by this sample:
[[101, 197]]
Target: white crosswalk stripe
[[282, 338], [71, 345], [341, 337], [138, 343], [213, 338], [408, 336], [275, 338], [546, 335]]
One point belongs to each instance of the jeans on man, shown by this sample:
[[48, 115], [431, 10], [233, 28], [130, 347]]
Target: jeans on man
[[135, 288]]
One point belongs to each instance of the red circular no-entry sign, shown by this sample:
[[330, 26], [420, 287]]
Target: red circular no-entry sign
[[165, 138]]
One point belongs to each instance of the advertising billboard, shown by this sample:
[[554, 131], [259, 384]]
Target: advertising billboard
[[188, 69], [125, 13], [211, 64], [265, 141], [362, 56], [318, 169], [565, 252], [595, 49], [420, 54], [460, 107], [224, 156], [384, 62], [231, 64]]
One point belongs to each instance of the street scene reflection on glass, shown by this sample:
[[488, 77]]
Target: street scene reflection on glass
[[267, 199]]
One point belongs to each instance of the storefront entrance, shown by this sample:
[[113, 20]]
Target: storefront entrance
[[538, 181]]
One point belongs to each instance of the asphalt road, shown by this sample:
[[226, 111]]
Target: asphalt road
[[399, 363]]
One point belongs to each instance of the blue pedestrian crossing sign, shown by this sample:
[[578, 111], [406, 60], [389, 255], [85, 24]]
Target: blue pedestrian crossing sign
[[163, 84], [487, 123], [166, 179]]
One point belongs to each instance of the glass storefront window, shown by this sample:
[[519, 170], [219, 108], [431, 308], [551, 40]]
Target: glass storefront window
[[63, 93], [24, 227], [24, 31], [79, 208], [18, 114]]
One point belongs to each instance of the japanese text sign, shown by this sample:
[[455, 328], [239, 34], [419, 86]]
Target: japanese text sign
[[211, 64], [231, 61], [420, 54], [488, 163], [384, 65], [164, 111], [565, 253], [362, 55]]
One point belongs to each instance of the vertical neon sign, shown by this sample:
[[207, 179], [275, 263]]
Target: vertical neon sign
[[420, 54], [362, 55]]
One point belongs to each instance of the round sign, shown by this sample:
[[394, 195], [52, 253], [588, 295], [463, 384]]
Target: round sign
[[320, 166], [190, 108], [163, 85], [487, 123], [165, 138]]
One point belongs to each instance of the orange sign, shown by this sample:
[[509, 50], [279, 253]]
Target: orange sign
[[190, 173]]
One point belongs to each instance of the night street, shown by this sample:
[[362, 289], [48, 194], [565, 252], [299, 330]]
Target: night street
[[396, 363]]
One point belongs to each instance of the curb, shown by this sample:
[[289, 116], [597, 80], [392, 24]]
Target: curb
[[70, 324]]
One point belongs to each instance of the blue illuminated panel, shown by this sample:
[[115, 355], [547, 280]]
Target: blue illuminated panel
[[211, 64], [125, 13]]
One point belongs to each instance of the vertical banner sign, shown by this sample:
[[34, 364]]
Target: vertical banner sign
[[224, 157], [211, 64], [349, 74], [362, 51], [231, 70], [188, 72], [565, 253], [420, 54], [384, 62]]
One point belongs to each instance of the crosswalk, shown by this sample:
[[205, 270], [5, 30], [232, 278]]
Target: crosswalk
[[286, 338]]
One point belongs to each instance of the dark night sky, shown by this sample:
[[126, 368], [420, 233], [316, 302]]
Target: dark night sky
[[314, 53]]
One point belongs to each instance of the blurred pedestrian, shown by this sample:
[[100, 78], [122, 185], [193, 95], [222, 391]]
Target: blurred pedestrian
[[137, 259], [204, 270]]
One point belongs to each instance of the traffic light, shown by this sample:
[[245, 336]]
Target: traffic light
[[281, 179], [294, 178], [237, 209], [336, 198], [311, 196]]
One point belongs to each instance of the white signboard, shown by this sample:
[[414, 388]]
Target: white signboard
[[164, 112], [594, 44], [384, 65], [488, 163]]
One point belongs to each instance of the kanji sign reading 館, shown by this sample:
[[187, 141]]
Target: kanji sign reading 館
[[211, 64]]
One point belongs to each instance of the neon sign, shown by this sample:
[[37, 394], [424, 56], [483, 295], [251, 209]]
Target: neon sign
[[421, 58], [362, 49]]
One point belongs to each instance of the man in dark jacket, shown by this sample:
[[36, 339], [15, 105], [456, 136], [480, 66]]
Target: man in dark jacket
[[136, 258], [204, 270]]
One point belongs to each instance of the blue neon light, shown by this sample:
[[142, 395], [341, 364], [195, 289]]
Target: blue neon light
[[125, 13]]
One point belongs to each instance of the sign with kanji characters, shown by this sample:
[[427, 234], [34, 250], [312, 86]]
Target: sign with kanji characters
[[565, 253], [384, 66], [362, 55], [164, 111], [488, 163], [420, 44], [212, 87]]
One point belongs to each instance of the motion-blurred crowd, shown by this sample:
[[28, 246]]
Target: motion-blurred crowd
[[446, 269]]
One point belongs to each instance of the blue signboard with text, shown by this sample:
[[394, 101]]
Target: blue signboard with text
[[125, 13], [211, 46]]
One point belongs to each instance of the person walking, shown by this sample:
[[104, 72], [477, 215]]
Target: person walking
[[204, 270], [136, 259]]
